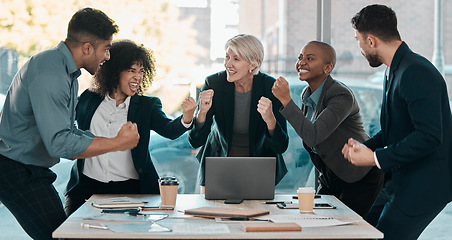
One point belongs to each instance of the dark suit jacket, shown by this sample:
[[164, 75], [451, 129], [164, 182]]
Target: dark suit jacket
[[416, 127], [337, 119], [147, 113], [216, 134]]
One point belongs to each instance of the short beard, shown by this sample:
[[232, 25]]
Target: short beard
[[374, 60]]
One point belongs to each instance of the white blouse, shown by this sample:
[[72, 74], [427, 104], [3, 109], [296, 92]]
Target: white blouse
[[112, 166]]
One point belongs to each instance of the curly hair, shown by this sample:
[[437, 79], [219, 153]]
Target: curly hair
[[124, 54]]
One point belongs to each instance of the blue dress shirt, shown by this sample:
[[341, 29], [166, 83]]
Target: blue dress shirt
[[37, 122], [310, 101]]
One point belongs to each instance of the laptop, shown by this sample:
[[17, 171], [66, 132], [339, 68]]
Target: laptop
[[251, 178]]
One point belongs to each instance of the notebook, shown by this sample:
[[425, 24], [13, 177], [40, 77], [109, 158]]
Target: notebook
[[251, 178], [234, 213], [118, 202], [270, 227]]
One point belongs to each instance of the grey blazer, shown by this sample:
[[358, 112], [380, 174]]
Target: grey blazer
[[337, 119]]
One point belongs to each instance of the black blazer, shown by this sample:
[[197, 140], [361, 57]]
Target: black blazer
[[147, 113], [416, 127], [216, 134]]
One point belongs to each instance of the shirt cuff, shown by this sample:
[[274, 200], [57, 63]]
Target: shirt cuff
[[186, 125], [271, 132], [87, 132], [376, 160], [199, 125]]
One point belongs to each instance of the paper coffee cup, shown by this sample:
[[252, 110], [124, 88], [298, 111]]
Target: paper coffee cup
[[168, 192], [165, 178], [306, 199]]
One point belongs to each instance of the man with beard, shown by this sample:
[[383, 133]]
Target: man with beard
[[413, 147], [37, 123]]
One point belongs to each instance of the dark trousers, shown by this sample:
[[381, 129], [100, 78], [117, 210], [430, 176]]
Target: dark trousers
[[28, 193], [387, 217], [359, 196], [88, 186]]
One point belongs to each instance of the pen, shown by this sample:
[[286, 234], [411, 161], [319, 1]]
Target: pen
[[86, 225], [156, 208], [149, 207], [130, 211], [276, 202]]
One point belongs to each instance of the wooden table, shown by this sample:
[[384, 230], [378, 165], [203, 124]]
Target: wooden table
[[360, 229]]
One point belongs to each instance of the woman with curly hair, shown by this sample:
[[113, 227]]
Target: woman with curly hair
[[116, 99]]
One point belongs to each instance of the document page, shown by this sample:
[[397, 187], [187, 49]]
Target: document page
[[182, 228], [307, 220], [132, 227]]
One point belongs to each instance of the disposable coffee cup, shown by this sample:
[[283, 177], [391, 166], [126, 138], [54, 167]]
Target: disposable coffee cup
[[164, 179], [306, 199], [168, 192]]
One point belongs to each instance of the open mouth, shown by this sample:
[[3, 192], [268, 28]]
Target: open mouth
[[100, 65], [231, 72], [133, 86]]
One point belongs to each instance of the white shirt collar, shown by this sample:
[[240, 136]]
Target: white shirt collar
[[125, 104]]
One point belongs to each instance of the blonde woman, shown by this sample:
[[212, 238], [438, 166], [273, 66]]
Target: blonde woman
[[240, 105]]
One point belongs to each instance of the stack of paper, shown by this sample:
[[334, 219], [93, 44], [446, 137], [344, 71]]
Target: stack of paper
[[231, 213], [119, 202]]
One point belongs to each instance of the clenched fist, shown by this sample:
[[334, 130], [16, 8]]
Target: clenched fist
[[281, 91], [205, 103], [128, 136], [188, 109], [264, 107]]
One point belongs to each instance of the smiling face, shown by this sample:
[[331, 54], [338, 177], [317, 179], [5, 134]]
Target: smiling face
[[100, 54], [237, 68], [130, 79], [369, 53], [313, 64]]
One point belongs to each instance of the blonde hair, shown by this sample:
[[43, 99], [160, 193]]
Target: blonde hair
[[248, 47]]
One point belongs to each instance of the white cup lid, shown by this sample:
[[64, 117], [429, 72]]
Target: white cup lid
[[306, 190]]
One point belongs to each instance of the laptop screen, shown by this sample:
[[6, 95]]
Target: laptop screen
[[249, 178]]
